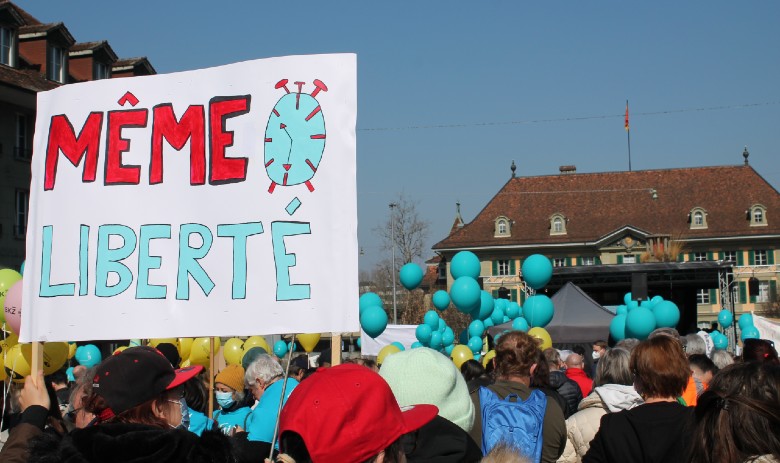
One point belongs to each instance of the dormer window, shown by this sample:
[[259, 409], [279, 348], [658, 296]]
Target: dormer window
[[503, 227], [7, 46], [757, 216], [697, 218], [56, 64], [557, 224], [102, 71]]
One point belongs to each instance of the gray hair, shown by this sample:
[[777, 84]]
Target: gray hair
[[628, 344], [614, 368], [694, 344], [264, 368], [722, 359]]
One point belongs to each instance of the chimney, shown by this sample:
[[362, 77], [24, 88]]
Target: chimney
[[568, 169]]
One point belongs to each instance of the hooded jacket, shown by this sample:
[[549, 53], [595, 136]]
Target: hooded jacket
[[122, 442], [581, 427], [441, 441], [568, 389], [657, 432]]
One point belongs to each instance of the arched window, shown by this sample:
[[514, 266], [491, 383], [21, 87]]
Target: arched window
[[758, 216], [697, 218], [557, 224], [503, 227]]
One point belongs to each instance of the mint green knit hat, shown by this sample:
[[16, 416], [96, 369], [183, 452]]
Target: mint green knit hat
[[424, 376]]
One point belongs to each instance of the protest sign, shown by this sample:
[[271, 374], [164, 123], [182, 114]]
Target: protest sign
[[215, 202]]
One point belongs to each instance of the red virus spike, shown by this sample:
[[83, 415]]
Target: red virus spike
[[309, 185], [272, 187], [282, 84], [298, 96], [320, 86]]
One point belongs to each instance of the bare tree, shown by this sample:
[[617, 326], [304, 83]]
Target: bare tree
[[406, 228]]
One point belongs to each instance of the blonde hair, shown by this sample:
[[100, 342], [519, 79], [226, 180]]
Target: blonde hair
[[505, 453]]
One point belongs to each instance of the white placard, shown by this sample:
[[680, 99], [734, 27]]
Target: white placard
[[216, 202], [405, 334]]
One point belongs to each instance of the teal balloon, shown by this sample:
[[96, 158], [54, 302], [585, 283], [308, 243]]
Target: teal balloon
[[513, 310], [640, 322], [280, 348], [476, 328], [520, 324], [501, 304], [463, 338], [373, 320], [423, 333], [721, 341], [21, 269], [667, 314], [725, 318], [477, 357], [537, 271], [448, 337], [441, 299], [442, 325], [398, 345], [647, 304], [627, 298], [475, 344], [486, 306], [293, 346], [436, 341], [631, 305], [538, 310], [622, 310], [69, 371], [488, 322], [369, 300], [745, 320], [506, 319], [751, 332], [465, 264], [465, 293], [431, 319], [497, 316], [359, 342], [617, 327], [88, 355], [656, 299], [449, 348], [411, 275], [416, 344]]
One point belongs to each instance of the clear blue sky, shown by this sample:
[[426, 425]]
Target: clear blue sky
[[467, 64]]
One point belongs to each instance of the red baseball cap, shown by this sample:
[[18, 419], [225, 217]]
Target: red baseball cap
[[137, 375], [348, 413]]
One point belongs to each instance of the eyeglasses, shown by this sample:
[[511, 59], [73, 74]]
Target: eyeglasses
[[70, 415]]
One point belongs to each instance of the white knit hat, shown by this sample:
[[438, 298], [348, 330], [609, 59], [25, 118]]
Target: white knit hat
[[424, 376]]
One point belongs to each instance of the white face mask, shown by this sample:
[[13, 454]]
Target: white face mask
[[596, 355]]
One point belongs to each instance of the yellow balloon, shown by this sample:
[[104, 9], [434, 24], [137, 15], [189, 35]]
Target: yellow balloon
[[54, 356], [389, 349], [256, 341], [488, 357], [18, 362], [185, 363], [199, 353], [71, 349], [460, 354], [308, 341], [185, 347], [9, 341], [542, 335], [119, 350], [3, 376], [155, 342], [233, 351]]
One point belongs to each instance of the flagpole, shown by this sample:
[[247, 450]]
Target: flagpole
[[628, 134]]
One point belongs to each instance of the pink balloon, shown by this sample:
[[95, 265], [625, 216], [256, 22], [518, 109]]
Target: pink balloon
[[13, 306]]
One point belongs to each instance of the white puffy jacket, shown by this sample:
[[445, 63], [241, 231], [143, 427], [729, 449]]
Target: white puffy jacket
[[582, 426]]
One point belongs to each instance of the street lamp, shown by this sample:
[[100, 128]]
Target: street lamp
[[392, 238]]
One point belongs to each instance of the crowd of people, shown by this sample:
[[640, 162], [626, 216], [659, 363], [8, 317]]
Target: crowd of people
[[664, 399]]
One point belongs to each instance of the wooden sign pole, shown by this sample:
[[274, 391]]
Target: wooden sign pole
[[37, 359], [335, 349], [211, 377]]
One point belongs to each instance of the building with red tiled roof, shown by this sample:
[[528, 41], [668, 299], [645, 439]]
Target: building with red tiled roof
[[36, 57], [591, 223]]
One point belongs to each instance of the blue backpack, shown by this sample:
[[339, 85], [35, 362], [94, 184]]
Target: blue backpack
[[517, 422]]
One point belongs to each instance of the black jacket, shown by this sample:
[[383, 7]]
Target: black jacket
[[568, 389], [120, 442], [650, 433], [441, 441]]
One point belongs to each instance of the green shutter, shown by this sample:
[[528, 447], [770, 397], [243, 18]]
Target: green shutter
[[638, 258], [740, 258], [770, 256], [495, 268], [772, 290], [579, 261], [495, 293], [742, 292], [713, 296], [753, 296], [522, 297], [567, 262], [514, 294], [620, 258], [680, 257], [751, 258], [598, 260], [690, 257], [512, 268], [710, 256]]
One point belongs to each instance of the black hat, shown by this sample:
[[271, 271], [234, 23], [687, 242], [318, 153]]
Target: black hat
[[137, 375], [170, 352]]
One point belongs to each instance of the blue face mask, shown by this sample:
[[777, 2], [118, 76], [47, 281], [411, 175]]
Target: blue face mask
[[185, 415], [224, 399]]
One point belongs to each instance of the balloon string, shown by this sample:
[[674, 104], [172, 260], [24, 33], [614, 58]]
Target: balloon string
[[281, 399]]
